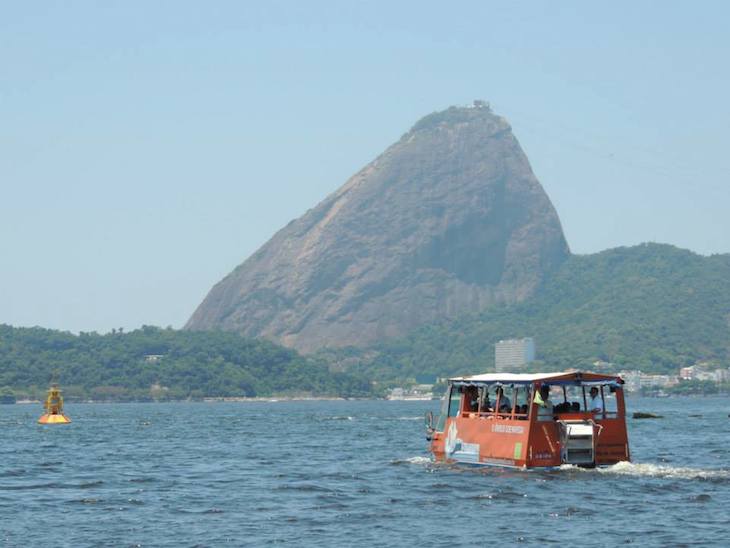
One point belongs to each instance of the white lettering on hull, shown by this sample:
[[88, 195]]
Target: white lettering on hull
[[508, 429]]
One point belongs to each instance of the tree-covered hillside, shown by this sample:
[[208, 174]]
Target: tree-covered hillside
[[162, 364], [651, 307]]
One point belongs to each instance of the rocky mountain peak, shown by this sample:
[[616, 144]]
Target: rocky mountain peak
[[447, 221]]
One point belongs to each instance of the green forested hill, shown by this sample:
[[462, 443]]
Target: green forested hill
[[652, 307], [192, 364]]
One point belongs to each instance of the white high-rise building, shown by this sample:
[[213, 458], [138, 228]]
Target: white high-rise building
[[513, 354]]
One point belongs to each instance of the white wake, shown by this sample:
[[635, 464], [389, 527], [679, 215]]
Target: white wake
[[661, 471], [418, 460]]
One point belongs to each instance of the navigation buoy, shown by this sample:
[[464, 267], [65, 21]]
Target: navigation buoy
[[54, 408]]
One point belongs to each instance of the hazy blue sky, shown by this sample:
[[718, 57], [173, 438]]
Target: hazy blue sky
[[147, 148]]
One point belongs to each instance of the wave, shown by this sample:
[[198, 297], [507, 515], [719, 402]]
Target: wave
[[414, 460], [52, 485], [12, 472], [659, 471]]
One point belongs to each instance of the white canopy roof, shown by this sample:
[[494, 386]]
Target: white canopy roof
[[510, 377], [529, 378]]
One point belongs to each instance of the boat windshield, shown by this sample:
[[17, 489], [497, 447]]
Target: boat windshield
[[454, 398], [443, 412]]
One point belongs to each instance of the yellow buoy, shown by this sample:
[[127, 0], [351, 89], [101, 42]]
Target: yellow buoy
[[54, 408]]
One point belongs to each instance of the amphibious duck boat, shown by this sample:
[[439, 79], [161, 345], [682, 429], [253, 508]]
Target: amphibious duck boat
[[531, 420]]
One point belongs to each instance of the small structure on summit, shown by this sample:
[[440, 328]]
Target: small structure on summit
[[54, 407]]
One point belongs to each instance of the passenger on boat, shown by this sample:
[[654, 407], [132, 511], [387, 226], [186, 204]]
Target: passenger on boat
[[596, 403], [486, 404], [505, 405], [545, 406], [473, 398]]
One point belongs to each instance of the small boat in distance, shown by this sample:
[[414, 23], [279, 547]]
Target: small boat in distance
[[54, 408], [514, 420]]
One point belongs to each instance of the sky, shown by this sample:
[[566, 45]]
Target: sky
[[148, 148]]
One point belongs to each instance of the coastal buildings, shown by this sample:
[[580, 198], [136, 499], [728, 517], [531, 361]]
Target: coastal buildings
[[699, 372], [638, 381], [417, 392], [513, 354]]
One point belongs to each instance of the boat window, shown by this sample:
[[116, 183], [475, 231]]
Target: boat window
[[488, 399], [472, 403], [455, 401], [569, 400], [609, 402], [522, 401], [545, 412], [484, 401], [441, 422], [506, 399]]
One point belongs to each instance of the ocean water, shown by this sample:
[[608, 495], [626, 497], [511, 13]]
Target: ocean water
[[319, 473]]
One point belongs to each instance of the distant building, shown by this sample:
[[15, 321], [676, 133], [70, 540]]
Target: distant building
[[722, 375], [658, 381], [701, 372], [632, 380], [418, 392], [705, 376], [513, 354], [397, 394]]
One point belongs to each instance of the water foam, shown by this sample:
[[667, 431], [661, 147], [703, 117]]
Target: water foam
[[660, 471], [414, 460]]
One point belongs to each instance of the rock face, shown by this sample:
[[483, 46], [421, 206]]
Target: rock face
[[449, 220]]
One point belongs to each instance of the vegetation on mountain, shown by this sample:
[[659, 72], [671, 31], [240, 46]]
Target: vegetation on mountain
[[153, 363], [651, 307]]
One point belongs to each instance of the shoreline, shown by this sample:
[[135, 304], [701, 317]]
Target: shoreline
[[221, 399], [283, 399]]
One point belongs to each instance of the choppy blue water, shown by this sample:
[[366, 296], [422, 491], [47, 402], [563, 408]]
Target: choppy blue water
[[343, 473]]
